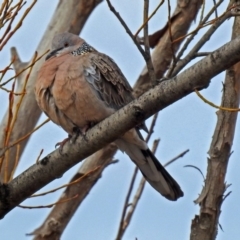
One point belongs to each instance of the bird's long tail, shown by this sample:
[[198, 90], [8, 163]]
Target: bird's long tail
[[151, 169]]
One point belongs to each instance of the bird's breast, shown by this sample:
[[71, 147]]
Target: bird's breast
[[76, 98]]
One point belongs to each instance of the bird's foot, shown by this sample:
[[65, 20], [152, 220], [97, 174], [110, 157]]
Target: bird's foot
[[76, 133], [86, 128], [62, 143]]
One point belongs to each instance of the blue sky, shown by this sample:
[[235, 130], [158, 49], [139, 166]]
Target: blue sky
[[187, 124]]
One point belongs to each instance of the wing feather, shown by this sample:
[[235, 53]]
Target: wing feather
[[108, 81]]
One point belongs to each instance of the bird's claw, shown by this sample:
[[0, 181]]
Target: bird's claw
[[77, 132], [75, 135], [61, 144]]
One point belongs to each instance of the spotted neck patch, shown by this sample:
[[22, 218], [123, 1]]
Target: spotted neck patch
[[83, 49]]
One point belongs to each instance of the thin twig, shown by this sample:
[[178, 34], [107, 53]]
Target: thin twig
[[153, 13], [214, 105], [24, 69], [126, 205], [8, 67], [202, 12], [216, 14], [154, 120], [148, 58], [192, 35], [135, 201], [21, 99], [9, 121], [49, 205], [39, 156], [10, 91], [170, 32], [214, 9], [89, 173], [192, 166], [19, 24], [2, 151], [16, 161], [16, 12], [176, 158], [200, 43], [30, 133], [127, 29]]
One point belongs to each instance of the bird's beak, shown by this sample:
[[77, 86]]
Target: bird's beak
[[53, 53]]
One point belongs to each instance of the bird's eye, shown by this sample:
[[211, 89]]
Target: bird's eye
[[66, 45]]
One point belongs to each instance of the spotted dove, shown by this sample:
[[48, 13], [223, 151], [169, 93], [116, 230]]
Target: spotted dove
[[77, 86]]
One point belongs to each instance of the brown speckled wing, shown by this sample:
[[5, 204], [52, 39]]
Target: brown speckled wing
[[108, 81]]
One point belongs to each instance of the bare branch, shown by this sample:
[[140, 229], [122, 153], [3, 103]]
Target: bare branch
[[147, 20], [123, 224], [146, 44], [200, 43], [162, 54], [126, 28], [176, 158], [194, 33], [192, 166]]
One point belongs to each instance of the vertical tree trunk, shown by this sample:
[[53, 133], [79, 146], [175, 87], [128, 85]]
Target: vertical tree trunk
[[205, 225]]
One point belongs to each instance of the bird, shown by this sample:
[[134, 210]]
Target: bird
[[78, 86]]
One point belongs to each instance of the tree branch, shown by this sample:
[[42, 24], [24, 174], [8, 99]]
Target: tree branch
[[162, 55]]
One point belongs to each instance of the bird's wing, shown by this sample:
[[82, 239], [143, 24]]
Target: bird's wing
[[108, 81]]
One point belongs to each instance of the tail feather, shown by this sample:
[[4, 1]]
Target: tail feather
[[173, 190], [152, 170]]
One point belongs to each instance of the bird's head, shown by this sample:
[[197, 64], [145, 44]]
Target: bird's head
[[64, 43]]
